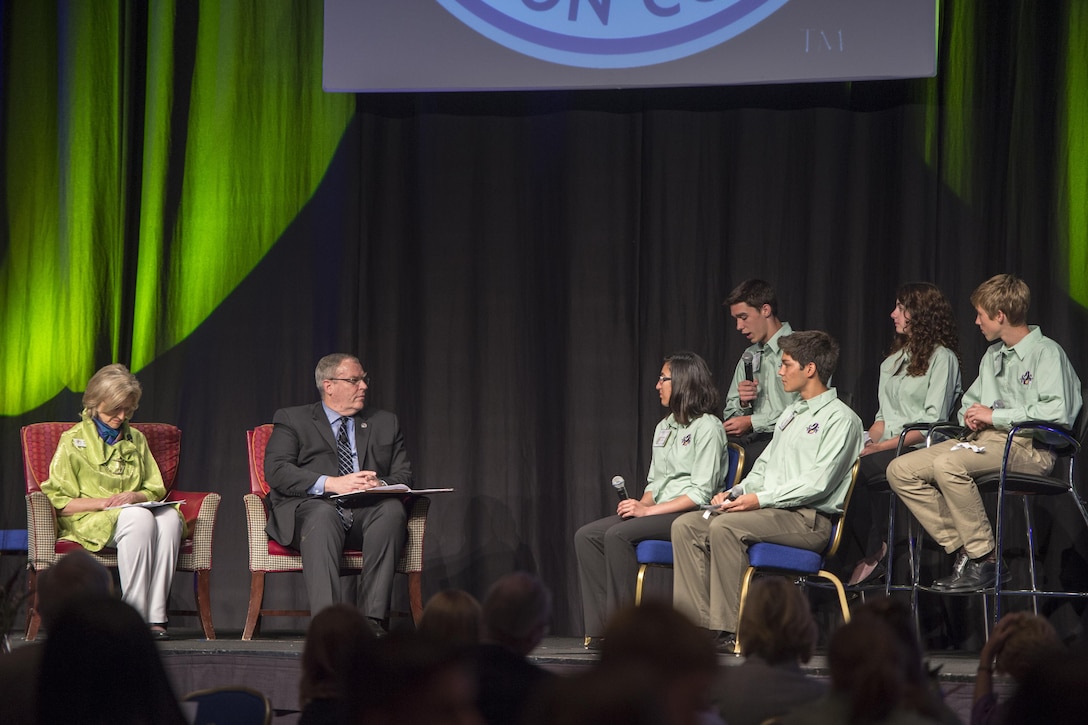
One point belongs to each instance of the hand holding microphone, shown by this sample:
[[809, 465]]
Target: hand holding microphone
[[620, 486], [748, 360]]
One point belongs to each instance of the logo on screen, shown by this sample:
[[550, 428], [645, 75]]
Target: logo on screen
[[610, 33]]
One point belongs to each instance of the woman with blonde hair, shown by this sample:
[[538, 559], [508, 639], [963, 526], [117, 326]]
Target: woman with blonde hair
[[99, 480]]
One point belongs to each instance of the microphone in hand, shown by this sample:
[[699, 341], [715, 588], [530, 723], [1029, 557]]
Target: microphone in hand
[[621, 488], [747, 359]]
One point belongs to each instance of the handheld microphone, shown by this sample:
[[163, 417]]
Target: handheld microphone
[[748, 359], [621, 489]]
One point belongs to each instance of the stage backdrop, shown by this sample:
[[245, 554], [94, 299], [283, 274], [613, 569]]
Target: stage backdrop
[[180, 195]]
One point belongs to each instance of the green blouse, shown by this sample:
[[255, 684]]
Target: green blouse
[[84, 466]]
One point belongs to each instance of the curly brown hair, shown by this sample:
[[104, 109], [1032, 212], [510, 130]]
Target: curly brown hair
[[932, 324]]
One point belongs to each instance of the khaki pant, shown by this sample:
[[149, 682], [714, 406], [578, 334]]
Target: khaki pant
[[937, 484], [710, 556]]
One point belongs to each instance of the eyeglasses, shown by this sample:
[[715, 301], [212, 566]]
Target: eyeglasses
[[663, 379], [353, 381], [125, 411]]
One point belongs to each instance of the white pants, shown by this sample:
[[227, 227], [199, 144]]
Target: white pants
[[147, 542]]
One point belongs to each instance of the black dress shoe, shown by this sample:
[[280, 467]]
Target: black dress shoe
[[977, 574], [941, 584], [726, 643], [594, 643], [377, 626], [158, 632]]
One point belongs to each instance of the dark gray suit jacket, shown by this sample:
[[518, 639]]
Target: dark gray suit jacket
[[302, 448]]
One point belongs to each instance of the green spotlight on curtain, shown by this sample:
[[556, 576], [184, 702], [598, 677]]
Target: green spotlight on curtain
[[143, 189], [1073, 132]]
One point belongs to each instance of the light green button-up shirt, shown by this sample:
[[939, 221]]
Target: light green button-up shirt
[[809, 460], [906, 399], [1033, 380], [691, 460], [771, 399], [84, 466]]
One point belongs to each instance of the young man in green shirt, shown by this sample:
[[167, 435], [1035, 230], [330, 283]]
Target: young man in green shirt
[[752, 406], [798, 482], [1022, 376]]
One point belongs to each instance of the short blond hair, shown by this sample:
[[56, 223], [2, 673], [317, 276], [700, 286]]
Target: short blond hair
[[111, 388], [1004, 293]]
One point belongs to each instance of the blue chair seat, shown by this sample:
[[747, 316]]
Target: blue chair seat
[[654, 552], [13, 540], [776, 556]]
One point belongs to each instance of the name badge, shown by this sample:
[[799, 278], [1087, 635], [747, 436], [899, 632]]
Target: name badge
[[662, 437]]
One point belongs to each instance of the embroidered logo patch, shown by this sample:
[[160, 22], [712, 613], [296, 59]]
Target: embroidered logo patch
[[1026, 378], [686, 440], [605, 34], [813, 428]]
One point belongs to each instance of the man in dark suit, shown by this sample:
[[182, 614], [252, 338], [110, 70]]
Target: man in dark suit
[[336, 446]]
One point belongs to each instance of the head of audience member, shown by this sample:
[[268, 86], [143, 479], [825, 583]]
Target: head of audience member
[[100, 665], [916, 689], [342, 382], [754, 305], [777, 624], [656, 638], [453, 616], [76, 575], [112, 395], [1031, 638], [692, 391], [924, 320], [812, 347], [1003, 294], [1053, 690], [417, 680], [869, 667], [918, 692], [335, 635], [516, 612]]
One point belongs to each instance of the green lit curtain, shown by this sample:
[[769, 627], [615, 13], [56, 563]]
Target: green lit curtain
[[154, 151]]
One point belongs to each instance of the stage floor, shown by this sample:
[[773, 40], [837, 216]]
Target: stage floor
[[271, 664]]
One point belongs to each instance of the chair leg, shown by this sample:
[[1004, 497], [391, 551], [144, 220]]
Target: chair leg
[[202, 583], [33, 618], [415, 595], [638, 584], [744, 585], [889, 566], [843, 604], [256, 597], [1029, 523]]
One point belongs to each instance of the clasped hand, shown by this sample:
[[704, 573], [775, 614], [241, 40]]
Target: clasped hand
[[123, 498], [978, 416], [744, 502], [352, 482]]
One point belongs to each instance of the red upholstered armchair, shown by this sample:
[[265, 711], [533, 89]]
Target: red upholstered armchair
[[266, 555], [39, 442]]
